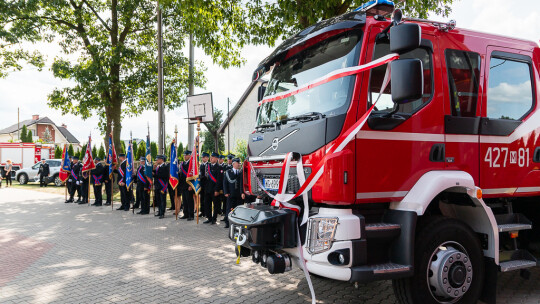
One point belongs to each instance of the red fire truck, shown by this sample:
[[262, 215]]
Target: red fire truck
[[438, 191]]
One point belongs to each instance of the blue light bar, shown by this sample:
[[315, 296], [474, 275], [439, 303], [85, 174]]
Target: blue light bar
[[377, 7]]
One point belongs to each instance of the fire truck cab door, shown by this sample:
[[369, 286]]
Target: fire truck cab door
[[509, 128], [462, 76]]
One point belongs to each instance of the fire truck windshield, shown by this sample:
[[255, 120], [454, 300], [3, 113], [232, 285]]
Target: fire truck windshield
[[330, 99]]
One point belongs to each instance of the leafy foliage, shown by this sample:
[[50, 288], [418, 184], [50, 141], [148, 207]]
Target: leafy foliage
[[58, 152], [153, 149], [288, 16], [71, 152], [210, 134], [241, 149], [101, 152], [26, 135]]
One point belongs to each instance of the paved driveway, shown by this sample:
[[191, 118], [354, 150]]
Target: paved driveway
[[66, 253]]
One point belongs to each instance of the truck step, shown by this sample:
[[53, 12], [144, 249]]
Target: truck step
[[516, 265], [384, 271], [512, 222], [519, 259], [382, 230]]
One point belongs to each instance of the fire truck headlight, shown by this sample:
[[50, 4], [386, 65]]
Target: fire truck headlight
[[320, 234]]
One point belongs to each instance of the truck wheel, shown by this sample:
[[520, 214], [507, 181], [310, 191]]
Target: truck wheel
[[57, 181], [449, 265], [23, 179]]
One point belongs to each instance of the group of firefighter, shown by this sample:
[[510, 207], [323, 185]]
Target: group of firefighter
[[221, 186]]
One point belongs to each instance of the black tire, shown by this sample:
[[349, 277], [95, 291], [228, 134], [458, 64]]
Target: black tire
[[22, 179], [433, 233], [57, 181]]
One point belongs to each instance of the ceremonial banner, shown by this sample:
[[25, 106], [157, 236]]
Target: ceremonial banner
[[111, 156], [129, 165], [193, 171], [66, 166], [148, 163], [88, 161], [173, 172]]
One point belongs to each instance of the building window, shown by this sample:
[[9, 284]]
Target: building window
[[510, 93], [463, 74]]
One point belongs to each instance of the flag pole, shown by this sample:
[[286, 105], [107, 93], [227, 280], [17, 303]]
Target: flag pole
[[197, 197], [90, 172], [176, 188], [132, 199]]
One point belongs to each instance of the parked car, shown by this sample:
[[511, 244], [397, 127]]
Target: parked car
[[30, 174]]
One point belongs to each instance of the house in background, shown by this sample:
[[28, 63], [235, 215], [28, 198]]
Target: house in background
[[242, 117], [42, 129]]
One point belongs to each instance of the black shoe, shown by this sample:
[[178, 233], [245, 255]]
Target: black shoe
[[127, 209], [82, 203], [143, 212], [107, 204], [161, 216], [140, 212], [98, 205], [94, 204], [207, 221], [120, 208], [190, 219], [226, 225], [68, 201], [213, 222], [157, 214], [78, 201]]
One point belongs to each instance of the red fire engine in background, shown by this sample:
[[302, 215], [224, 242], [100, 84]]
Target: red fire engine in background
[[438, 191]]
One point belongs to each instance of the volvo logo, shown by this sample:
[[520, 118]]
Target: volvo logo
[[275, 143]]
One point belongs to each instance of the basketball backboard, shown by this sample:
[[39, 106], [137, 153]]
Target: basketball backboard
[[200, 107]]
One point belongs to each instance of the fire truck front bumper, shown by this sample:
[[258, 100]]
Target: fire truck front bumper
[[333, 244]]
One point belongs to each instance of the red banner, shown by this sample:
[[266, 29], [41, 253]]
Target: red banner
[[88, 160]]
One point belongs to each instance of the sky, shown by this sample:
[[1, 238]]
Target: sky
[[28, 89]]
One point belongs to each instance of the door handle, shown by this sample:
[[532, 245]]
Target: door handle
[[437, 153]]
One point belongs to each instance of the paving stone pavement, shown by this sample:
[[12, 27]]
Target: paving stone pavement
[[53, 252]]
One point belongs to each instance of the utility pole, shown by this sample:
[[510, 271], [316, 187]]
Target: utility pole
[[191, 86], [18, 127], [161, 112]]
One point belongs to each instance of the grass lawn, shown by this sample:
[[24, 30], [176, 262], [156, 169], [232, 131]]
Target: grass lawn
[[61, 190]]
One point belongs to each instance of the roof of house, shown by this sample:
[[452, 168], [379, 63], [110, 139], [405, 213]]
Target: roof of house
[[28, 122], [239, 103], [44, 120], [69, 137]]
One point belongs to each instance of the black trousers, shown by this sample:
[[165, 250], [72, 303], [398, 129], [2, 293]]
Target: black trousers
[[43, 180], [72, 187], [98, 194], [108, 191], [8, 178], [124, 197], [142, 198], [161, 201], [171, 194], [188, 203], [212, 206], [232, 202], [85, 191]]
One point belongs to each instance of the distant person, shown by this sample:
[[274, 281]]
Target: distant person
[[161, 179], [73, 180], [97, 180], [44, 172], [214, 184], [109, 181], [143, 189], [8, 168], [233, 188], [124, 193], [186, 190]]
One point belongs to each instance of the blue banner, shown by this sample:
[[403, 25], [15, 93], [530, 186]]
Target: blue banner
[[111, 156], [129, 165], [148, 163], [173, 174]]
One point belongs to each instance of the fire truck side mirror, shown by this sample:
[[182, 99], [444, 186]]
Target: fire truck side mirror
[[407, 80], [405, 37]]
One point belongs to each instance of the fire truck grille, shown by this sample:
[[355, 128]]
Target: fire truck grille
[[293, 185]]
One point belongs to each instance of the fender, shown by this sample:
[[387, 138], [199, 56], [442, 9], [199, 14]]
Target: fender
[[479, 217]]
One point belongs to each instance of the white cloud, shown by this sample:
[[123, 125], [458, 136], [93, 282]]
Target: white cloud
[[514, 93]]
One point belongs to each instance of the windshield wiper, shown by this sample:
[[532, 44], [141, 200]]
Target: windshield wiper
[[306, 117]]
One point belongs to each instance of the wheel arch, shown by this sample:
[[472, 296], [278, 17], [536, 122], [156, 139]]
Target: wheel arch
[[453, 194]]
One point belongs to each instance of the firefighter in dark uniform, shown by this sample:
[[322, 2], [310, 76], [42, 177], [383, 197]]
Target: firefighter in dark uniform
[[109, 181], [161, 179], [124, 193], [97, 181], [84, 180], [229, 164], [69, 181], [214, 184], [171, 192], [74, 178], [222, 199], [143, 188], [186, 190], [233, 188], [43, 172], [202, 178]]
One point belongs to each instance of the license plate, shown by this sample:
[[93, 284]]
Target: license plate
[[271, 183]]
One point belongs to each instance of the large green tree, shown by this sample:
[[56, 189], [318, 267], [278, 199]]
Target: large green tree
[[115, 70]]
